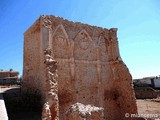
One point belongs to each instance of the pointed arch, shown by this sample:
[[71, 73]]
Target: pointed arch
[[83, 40], [84, 32], [60, 27], [60, 42], [60, 36]]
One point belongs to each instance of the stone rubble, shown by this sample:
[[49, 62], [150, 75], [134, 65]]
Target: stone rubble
[[84, 112]]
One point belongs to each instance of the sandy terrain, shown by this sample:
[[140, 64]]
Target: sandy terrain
[[149, 106]]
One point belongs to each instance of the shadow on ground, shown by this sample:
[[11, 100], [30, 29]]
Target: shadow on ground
[[22, 106]]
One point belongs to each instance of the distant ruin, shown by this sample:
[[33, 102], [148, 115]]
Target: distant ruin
[[69, 62], [8, 77]]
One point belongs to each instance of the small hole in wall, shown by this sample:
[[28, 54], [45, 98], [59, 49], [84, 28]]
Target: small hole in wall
[[77, 92], [116, 95], [83, 97]]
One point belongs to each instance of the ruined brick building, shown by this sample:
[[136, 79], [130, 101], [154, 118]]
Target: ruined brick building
[[89, 68], [8, 77]]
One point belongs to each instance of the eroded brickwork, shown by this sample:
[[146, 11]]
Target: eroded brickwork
[[51, 106], [89, 67]]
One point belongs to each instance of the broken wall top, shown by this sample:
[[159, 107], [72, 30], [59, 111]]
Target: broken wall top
[[104, 38], [50, 22]]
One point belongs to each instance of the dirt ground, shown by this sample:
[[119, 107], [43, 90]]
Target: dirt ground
[[16, 110], [149, 106]]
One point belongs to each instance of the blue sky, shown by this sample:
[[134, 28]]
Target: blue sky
[[138, 23]]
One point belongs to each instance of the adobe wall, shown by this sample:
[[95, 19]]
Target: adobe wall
[[89, 67], [146, 93], [33, 67], [9, 73]]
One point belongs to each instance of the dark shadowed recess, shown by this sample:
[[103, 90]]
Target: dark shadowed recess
[[23, 106]]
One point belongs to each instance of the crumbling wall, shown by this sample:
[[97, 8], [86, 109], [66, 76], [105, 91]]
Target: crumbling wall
[[146, 93], [89, 67], [51, 105]]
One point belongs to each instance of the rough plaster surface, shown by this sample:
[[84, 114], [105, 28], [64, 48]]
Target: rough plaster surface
[[89, 67]]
